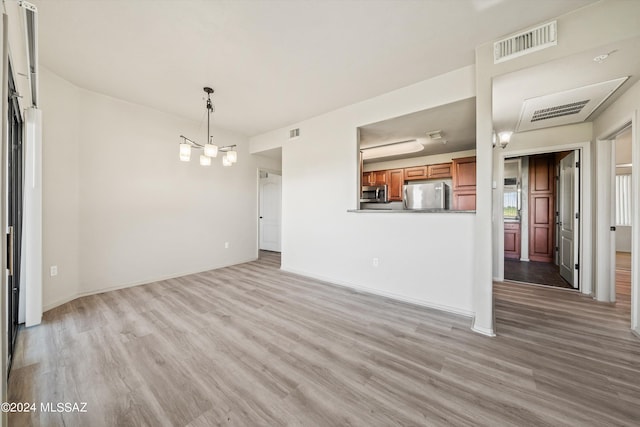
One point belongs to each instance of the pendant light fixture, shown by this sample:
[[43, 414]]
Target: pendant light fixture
[[209, 149]]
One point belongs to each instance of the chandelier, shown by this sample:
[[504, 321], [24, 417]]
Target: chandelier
[[210, 150]]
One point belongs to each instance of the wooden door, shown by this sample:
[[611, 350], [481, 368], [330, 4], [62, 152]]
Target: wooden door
[[395, 179], [541, 207]]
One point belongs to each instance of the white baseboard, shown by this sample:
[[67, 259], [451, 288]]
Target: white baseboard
[[65, 300], [482, 331], [525, 259], [390, 295]]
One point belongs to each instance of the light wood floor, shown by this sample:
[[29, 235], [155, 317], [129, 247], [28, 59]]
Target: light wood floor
[[250, 345]]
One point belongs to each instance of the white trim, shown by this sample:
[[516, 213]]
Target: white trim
[[635, 236], [377, 292], [604, 287], [138, 283], [31, 286], [586, 232], [482, 331]]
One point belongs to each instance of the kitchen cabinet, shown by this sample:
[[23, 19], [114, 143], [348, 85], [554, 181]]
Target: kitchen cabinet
[[367, 178], [464, 183], [512, 240], [417, 172], [374, 178], [379, 177], [395, 180], [440, 170]]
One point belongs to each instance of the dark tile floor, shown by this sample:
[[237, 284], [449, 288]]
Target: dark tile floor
[[541, 273]]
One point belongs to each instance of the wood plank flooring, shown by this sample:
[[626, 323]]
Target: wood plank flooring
[[250, 345]]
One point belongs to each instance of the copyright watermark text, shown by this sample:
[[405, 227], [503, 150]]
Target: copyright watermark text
[[43, 407]]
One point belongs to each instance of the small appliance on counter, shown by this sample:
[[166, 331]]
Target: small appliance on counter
[[374, 194], [433, 195]]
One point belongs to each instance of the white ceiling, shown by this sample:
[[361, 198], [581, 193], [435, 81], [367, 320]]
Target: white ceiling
[[511, 90], [457, 121], [272, 63]]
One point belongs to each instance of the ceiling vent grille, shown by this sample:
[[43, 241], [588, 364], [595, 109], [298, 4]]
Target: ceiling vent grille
[[559, 111], [294, 133], [525, 42]]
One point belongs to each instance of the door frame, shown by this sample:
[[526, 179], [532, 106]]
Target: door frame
[[276, 172], [585, 234], [605, 169]]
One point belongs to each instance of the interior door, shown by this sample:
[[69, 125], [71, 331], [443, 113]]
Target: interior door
[[14, 214], [568, 216], [270, 212], [541, 207]]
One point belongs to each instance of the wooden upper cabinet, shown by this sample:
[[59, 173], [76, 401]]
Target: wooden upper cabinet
[[379, 177], [441, 170], [417, 172], [395, 181], [464, 174], [367, 178], [375, 178]]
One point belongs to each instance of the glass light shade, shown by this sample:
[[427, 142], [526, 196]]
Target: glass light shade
[[226, 161], [210, 150], [232, 156], [205, 160], [185, 152], [504, 138]]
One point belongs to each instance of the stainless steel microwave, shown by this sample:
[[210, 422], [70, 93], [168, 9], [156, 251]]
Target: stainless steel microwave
[[374, 194]]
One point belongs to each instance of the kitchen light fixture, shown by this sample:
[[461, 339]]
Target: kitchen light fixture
[[210, 150], [504, 138], [392, 149]]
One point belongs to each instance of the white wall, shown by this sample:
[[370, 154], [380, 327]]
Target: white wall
[[60, 186], [623, 238], [121, 209], [424, 258]]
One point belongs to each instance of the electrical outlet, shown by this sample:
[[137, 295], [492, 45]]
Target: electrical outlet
[[226, 245], [375, 262], [53, 271]]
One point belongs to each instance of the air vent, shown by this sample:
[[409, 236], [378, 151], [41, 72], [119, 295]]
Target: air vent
[[294, 133], [559, 111], [525, 42], [566, 107]]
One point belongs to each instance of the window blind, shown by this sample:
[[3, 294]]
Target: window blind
[[623, 199]]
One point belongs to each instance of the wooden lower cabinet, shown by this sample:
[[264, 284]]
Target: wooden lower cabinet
[[395, 181], [512, 240], [464, 200]]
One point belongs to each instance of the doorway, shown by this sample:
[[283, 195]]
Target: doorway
[[541, 214], [269, 211], [622, 213], [15, 191]]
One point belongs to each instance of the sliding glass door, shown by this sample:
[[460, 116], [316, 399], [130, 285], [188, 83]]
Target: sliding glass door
[[15, 184]]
